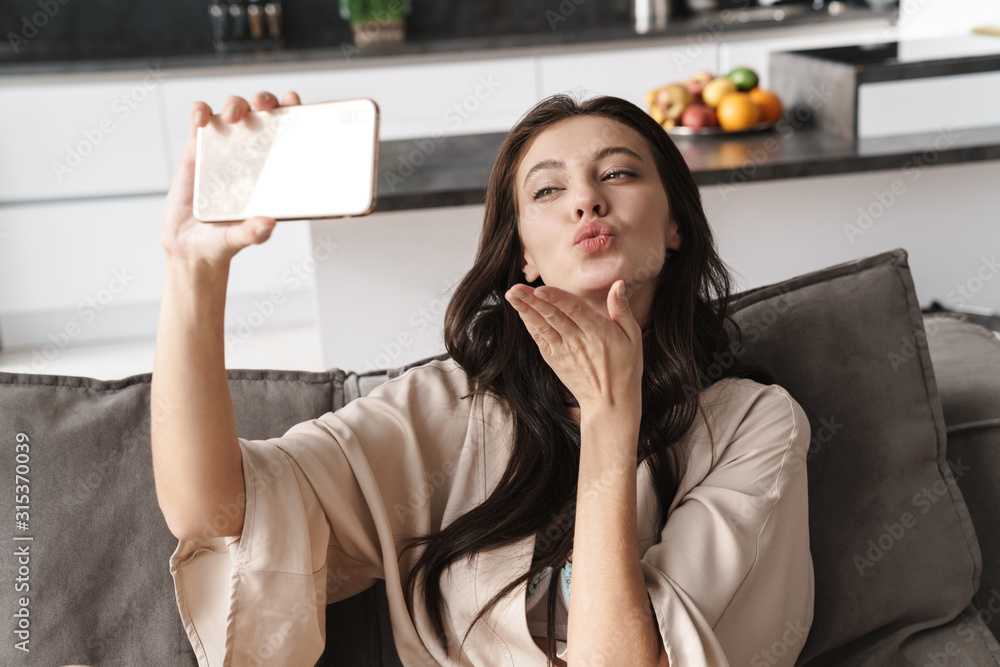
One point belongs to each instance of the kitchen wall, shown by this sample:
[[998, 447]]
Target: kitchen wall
[[929, 18]]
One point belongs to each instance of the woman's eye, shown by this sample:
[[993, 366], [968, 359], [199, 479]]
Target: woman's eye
[[542, 192], [619, 174]]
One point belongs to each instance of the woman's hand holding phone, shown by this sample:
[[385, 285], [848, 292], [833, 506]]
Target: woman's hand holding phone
[[197, 243], [197, 463]]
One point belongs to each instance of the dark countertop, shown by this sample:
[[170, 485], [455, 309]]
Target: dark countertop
[[333, 56], [912, 59], [452, 171]]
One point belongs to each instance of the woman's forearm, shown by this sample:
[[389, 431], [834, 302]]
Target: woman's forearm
[[196, 457], [610, 618]]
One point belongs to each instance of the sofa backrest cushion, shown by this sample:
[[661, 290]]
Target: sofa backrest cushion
[[966, 360], [93, 577], [894, 551]]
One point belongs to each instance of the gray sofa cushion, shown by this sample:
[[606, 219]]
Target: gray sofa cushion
[[967, 369], [894, 550], [100, 591]]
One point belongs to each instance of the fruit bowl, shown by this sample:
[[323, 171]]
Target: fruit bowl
[[681, 130], [708, 105]]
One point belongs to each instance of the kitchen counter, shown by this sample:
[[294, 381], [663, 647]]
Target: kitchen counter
[[424, 173], [452, 171], [914, 58]]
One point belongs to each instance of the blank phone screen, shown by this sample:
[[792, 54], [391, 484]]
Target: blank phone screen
[[300, 162]]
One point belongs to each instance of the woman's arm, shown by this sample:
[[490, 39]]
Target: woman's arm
[[599, 358], [196, 456], [611, 620]]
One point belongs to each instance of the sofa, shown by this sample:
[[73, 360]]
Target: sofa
[[902, 467]]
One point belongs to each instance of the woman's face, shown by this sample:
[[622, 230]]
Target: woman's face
[[592, 178]]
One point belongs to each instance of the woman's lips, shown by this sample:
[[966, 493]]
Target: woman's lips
[[594, 244], [593, 236]]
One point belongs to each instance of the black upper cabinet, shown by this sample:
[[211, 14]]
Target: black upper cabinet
[[49, 30], [68, 30]]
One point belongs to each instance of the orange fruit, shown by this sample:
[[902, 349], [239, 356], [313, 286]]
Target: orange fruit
[[737, 111], [769, 104]]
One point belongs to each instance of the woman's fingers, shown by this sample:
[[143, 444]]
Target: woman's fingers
[[556, 316], [252, 230], [538, 326], [234, 109], [564, 309], [263, 101], [620, 310], [198, 115], [183, 184]]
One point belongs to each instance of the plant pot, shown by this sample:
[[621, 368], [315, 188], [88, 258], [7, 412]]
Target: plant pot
[[390, 31]]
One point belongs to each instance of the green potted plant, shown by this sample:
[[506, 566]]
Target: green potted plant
[[376, 21]]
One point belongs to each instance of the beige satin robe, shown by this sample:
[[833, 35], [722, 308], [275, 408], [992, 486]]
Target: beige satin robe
[[330, 503]]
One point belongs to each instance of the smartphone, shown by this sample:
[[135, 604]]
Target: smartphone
[[299, 162]]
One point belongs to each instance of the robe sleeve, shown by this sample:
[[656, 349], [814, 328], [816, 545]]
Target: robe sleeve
[[731, 580], [328, 507]]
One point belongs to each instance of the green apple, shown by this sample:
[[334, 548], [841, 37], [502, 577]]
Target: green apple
[[744, 78]]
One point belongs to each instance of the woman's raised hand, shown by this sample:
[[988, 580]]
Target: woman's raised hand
[[598, 358], [184, 238]]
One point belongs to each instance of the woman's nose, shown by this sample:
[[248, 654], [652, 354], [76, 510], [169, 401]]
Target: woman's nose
[[589, 203]]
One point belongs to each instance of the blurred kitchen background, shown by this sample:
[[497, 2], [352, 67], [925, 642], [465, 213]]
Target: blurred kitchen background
[[898, 145]]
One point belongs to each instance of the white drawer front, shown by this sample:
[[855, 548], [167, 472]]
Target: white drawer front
[[67, 140], [935, 104]]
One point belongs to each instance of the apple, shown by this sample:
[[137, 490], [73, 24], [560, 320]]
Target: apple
[[745, 78], [696, 82], [699, 116], [716, 89], [672, 100]]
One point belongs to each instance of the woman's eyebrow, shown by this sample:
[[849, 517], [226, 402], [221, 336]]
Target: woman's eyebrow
[[616, 150], [542, 166], [599, 155]]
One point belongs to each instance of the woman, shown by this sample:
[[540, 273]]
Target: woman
[[571, 485]]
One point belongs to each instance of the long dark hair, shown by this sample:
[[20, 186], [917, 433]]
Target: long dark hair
[[686, 333]]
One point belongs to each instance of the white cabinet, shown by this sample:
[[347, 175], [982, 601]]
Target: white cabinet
[[383, 283], [944, 216], [76, 271], [942, 104], [96, 266], [64, 140]]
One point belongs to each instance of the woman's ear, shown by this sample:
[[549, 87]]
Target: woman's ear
[[673, 236], [530, 272], [528, 266]]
